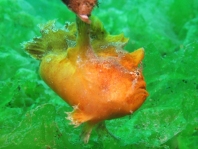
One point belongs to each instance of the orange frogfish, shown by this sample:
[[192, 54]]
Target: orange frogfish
[[88, 68]]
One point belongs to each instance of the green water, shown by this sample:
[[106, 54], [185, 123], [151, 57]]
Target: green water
[[32, 115]]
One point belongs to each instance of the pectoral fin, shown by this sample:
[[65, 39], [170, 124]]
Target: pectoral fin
[[77, 117]]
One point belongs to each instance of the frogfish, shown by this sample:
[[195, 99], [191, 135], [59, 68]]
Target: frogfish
[[89, 69]]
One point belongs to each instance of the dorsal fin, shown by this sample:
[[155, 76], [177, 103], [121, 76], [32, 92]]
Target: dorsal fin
[[133, 59], [137, 56]]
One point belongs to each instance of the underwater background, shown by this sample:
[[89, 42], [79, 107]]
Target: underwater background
[[33, 116]]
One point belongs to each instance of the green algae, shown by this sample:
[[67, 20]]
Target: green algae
[[33, 116]]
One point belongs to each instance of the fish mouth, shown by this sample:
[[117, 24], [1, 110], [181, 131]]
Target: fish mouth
[[142, 87]]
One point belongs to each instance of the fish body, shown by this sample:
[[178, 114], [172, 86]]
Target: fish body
[[100, 88], [96, 77]]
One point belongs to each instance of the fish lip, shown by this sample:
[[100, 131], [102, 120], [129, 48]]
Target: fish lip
[[142, 87]]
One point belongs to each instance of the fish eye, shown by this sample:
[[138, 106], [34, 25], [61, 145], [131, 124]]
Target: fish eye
[[137, 73]]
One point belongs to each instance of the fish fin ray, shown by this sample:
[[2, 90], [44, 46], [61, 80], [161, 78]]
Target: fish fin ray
[[77, 117]]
